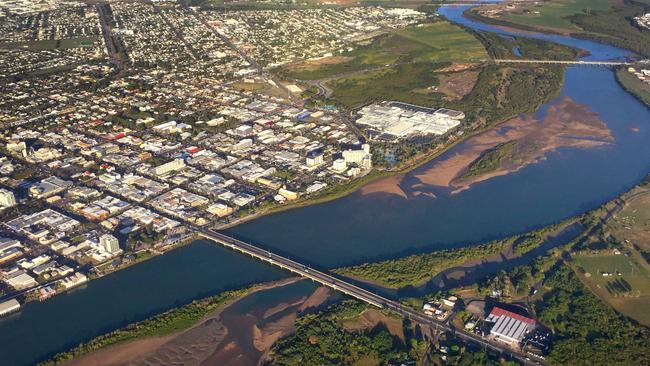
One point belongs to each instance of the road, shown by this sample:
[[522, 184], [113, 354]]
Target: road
[[359, 293], [244, 55]]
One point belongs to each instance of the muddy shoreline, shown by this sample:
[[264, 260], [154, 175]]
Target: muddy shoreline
[[222, 337]]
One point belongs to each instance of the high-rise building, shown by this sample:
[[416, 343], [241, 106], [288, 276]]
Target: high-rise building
[[360, 157], [7, 198], [109, 243]]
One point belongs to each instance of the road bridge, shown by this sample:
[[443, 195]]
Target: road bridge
[[563, 62], [357, 292]]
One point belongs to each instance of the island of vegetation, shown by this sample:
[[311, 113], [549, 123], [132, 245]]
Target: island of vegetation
[[490, 160], [416, 270]]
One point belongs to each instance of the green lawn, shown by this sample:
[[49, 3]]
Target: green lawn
[[554, 13], [443, 42]]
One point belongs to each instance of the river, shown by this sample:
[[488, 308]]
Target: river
[[362, 227]]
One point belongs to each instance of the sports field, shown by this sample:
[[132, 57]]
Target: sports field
[[618, 279]]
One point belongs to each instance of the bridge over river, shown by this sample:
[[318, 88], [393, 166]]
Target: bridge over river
[[567, 62], [359, 293]]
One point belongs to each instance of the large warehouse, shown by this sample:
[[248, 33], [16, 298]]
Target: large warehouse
[[509, 327], [395, 120]]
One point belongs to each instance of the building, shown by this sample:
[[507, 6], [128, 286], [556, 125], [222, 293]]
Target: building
[[49, 187], [20, 280], [392, 121], [7, 198], [243, 131], [10, 249], [220, 210], [359, 156], [314, 158], [110, 243], [289, 195], [176, 164], [9, 307], [339, 165], [73, 280], [509, 327], [17, 147]]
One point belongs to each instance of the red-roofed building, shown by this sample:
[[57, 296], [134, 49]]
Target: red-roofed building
[[509, 327]]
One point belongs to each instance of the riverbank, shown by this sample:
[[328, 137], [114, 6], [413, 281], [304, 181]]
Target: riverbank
[[140, 256], [605, 26], [142, 338], [634, 86]]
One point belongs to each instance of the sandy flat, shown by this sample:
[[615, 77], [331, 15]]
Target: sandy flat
[[388, 185], [121, 354], [186, 347], [567, 124]]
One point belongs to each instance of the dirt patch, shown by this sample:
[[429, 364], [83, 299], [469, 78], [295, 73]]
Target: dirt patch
[[457, 85], [311, 65], [370, 318], [457, 67], [566, 124], [279, 308]]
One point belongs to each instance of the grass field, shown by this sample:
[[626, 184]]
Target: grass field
[[406, 83], [632, 224], [440, 41], [628, 287], [52, 44], [554, 13]]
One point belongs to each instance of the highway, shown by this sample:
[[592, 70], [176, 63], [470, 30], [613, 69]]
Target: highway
[[359, 293]]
